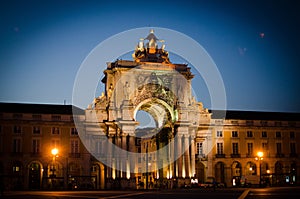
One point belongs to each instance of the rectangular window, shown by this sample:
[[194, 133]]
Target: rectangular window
[[278, 148], [264, 134], [199, 148], [265, 146], [250, 148], [293, 148], [74, 146], [36, 130], [56, 117], [292, 134], [235, 148], [74, 132], [16, 145], [17, 129], [36, 146], [249, 134], [219, 133], [219, 148], [234, 134], [37, 117], [55, 131], [98, 147], [278, 134]]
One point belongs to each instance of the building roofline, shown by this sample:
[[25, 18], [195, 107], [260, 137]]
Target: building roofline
[[40, 108], [255, 115], [216, 114]]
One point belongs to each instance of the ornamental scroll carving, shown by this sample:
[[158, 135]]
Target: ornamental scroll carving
[[153, 86]]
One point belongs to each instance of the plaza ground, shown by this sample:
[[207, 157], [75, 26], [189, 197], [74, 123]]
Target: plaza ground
[[230, 193]]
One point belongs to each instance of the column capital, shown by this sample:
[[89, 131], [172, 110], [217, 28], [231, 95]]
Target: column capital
[[124, 134]]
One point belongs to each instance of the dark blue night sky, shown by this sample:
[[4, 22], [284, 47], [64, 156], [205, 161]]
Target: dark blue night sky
[[255, 45]]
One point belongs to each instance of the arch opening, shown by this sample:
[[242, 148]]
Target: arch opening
[[145, 120], [153, 115]]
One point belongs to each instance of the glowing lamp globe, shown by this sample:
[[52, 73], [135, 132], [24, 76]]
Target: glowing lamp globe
[[54, 151]]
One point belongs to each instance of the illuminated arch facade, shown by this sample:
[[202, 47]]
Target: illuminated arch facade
[[155, 85]]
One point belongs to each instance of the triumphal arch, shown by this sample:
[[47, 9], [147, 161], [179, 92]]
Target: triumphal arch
[[135, 157]]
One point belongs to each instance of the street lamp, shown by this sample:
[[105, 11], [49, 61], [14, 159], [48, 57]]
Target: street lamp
[[54, 152], [259, 158]]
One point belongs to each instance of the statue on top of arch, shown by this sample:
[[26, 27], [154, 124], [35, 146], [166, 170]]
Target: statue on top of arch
[[150, 52]]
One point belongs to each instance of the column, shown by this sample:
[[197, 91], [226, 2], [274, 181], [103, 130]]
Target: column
[[171, 157], [109, 156], [179, 155], [124, 155], [118, 156], [187, 155], [209, 167], [193, 172], [132, 156]]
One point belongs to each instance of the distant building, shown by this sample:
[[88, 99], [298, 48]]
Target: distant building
[[188, 144], [28, 133]]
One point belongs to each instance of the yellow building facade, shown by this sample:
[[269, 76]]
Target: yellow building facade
[[103, 146], [228, 153]]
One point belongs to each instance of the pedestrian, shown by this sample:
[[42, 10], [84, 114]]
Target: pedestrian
[[214, 185]]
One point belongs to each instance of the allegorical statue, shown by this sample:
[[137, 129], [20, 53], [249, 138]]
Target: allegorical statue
[[151, 53]]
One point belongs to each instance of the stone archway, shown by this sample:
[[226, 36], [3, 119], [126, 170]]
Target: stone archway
[[153, 84], [250, 168], [220, 172], [293, 173], [279, 174], [236, 171], [15, 181], [200, 172], [35, 175], [98, 171], [161, 111]]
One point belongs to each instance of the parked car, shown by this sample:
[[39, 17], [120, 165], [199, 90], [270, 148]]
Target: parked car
[[220, 185], [206, 185]]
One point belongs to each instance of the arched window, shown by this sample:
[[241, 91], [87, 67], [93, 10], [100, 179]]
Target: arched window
[[251, 168], [236, 169]]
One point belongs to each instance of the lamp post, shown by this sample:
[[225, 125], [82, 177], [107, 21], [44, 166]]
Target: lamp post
[[54, 153], [259, 158]]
